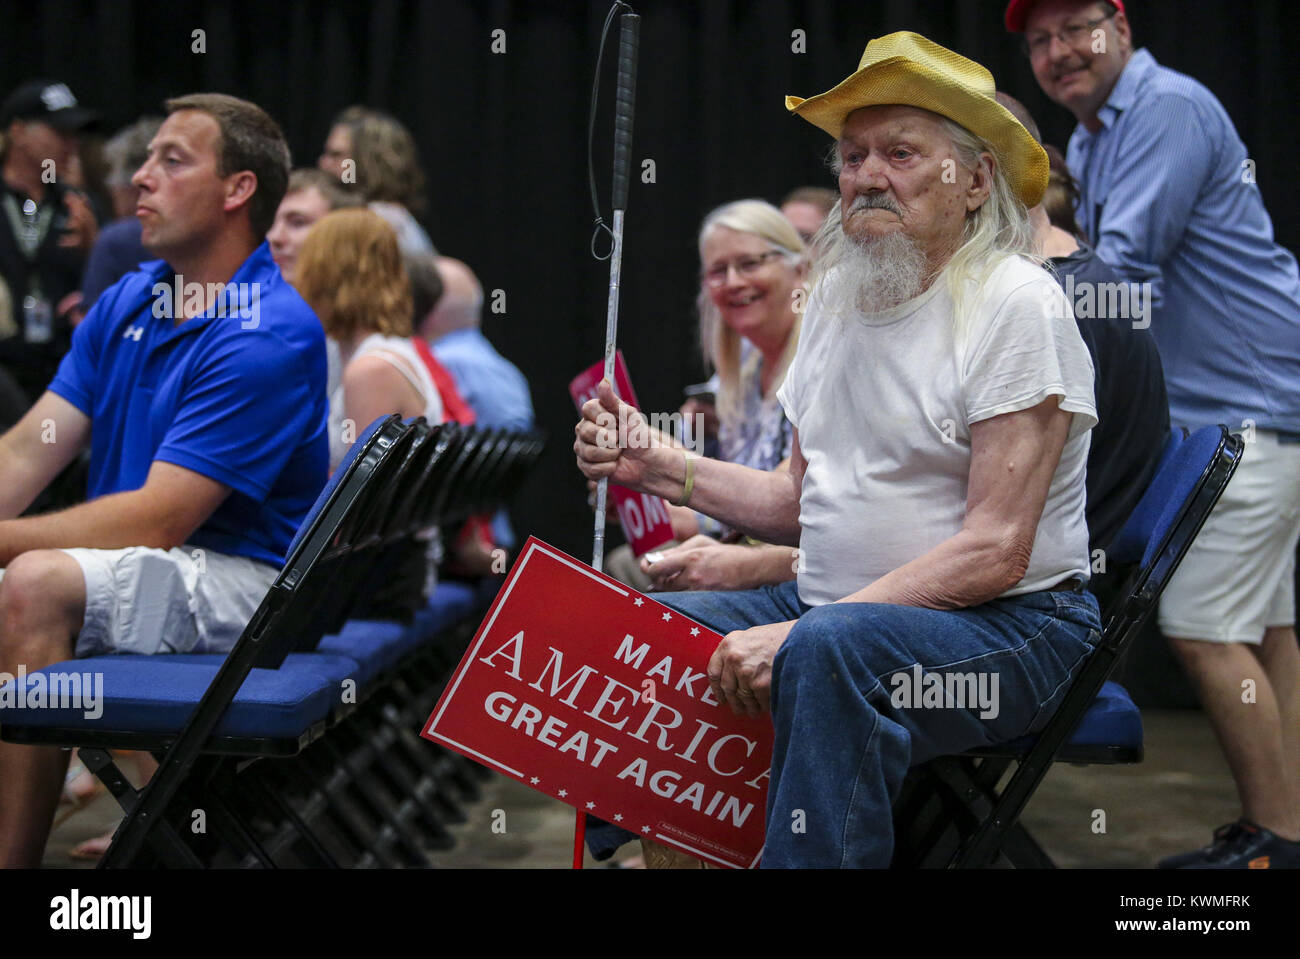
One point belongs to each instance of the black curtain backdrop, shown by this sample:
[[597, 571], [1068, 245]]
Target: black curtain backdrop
[[503, 135]]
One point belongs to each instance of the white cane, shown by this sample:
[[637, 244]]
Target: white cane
[[623, 109], [624, 102]]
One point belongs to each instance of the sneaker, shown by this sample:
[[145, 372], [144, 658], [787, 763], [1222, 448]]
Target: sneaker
[[1225, 833], [1240, 845]]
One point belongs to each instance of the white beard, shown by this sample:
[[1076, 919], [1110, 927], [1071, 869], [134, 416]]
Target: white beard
[[870, 277]]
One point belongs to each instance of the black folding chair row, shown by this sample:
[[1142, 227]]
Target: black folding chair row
[[301, 747], [955, 811]]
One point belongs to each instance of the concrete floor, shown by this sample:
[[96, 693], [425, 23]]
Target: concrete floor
[[1169, 803]]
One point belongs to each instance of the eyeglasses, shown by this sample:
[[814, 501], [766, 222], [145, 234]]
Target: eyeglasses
[[746, 267], [1072, 35]]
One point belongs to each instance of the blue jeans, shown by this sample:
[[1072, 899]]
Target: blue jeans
[[847, 724]]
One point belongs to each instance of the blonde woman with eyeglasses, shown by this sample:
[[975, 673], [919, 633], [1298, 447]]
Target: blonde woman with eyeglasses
[[753, 270]]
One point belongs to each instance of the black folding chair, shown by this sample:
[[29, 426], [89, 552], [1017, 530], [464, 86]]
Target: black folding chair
[[150, 701], [951, 811], [352, 784]]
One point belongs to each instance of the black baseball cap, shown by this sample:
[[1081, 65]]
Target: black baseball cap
[[49, 102]]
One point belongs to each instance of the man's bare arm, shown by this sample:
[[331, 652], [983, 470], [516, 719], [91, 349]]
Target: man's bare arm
[[1013, 459], [163, 513], [704, 563], [613, 442], [37, 448], [760, 503]]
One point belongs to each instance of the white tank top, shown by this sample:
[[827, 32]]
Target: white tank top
[[398, 351]]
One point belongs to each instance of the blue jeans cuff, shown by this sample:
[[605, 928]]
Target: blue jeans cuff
[[604, 838]]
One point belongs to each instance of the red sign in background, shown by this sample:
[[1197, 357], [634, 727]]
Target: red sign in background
[[644, 518], [595, 694]]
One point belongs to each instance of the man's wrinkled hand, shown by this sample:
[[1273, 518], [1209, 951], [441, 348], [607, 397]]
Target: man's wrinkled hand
[[701, 563], [740, 670], [612, 439]]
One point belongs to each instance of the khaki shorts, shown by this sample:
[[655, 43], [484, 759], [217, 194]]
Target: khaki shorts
[[1238, 579], [183, 600]]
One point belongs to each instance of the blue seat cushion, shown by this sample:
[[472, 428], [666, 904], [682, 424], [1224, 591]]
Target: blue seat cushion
[[1111, 720], [334, 668], [451, 602], [373, 644], [158, 694]]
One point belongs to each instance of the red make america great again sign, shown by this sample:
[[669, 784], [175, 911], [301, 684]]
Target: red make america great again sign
[[590, 692]]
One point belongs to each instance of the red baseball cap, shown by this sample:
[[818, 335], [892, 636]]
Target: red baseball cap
[[1018, 12]]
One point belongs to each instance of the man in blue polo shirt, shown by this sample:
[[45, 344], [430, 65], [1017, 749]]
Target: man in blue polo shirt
[[1169, 199], [199, 385]]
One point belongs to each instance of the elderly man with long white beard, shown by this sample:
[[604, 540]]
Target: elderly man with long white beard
[[942, 399]]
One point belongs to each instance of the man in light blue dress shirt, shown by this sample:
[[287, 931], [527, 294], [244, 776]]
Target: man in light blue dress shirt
[[493, 386], [1169, 199]]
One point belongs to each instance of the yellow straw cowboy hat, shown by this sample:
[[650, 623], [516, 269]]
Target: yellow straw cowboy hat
[[906, 68]]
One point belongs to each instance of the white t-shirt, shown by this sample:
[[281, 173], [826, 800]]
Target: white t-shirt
[[884, 403]]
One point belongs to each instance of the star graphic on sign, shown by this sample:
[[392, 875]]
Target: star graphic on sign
[[645, 828], [639, 601], [667, 616], [591, 805], [618, 817], [695, 630], [534, 780], [562, 793]]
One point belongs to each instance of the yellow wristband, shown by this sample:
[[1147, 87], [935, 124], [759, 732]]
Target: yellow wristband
[[689, 486]]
